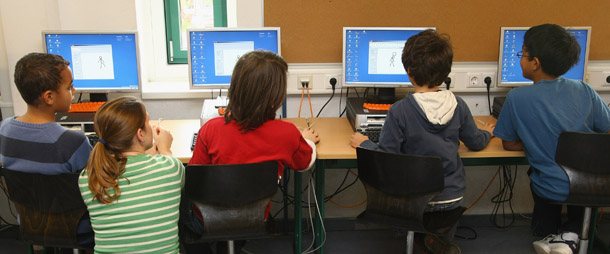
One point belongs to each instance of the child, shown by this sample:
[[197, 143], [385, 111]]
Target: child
[[532, 119], [45, 83], [34, 142], [249, 132], [132, 196], [431, 122]]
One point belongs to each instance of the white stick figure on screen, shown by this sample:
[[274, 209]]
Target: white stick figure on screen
[[101, 61], [392, 59]]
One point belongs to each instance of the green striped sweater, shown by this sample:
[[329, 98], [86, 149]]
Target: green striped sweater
[[144, 219]]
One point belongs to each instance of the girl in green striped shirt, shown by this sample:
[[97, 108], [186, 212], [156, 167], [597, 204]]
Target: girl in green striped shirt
[[131, 186]]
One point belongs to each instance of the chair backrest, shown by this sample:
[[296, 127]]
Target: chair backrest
[[49, 206], [399, 186], [231, 198], [585, 159]]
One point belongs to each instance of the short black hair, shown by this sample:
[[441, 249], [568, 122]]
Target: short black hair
[[36, 73], [555, 47], [428, 55]]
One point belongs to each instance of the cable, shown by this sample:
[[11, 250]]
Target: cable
[[333, 82], [309, 98], [79, 97], [302, 95], [346, 94], [505, 195], [484, 191], [487, 81]]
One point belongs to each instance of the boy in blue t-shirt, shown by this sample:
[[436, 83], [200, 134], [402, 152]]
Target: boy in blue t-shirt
[[431, 122], [532, 119]]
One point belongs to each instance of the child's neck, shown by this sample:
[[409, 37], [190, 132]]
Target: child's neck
[[37, 115], [425, 89], [542, 76]]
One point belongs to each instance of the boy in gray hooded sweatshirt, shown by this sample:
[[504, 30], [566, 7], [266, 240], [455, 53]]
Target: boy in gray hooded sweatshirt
[[431, 122]]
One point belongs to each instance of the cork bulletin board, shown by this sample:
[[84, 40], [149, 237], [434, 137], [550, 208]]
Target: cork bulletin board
[[311, 30]]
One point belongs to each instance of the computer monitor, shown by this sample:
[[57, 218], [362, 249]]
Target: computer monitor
[[372, 58], [511, 42], [213, 52], [101, 61]]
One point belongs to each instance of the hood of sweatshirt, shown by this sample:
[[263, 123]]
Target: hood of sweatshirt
[[438, 107]]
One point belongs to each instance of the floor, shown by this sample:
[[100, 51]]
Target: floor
[[476, 235]]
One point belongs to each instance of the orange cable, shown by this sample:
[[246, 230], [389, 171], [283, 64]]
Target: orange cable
[[301, 105], [310, 107], [484, 191], [342, 206]]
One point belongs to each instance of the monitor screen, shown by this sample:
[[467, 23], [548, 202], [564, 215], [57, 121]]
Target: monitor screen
[[372, 55], [511, 43], [100, 61], [213, 52]]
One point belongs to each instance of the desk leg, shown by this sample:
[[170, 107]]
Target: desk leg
[[298, 216], [320, 175]]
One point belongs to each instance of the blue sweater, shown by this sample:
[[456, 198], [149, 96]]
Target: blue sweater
[[407, 130], [45, 148]]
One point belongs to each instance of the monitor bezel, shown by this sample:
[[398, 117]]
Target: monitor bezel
[[85, 32], [376, 84], [517, 84], [224, 29]]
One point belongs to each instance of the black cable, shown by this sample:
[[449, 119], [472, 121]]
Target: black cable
[[333, 82], [346, 95], [341, 95], [487, 81], [357, 94], [79, 97], [505, 195]]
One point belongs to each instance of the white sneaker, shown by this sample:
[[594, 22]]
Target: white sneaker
[[565, 243], [544, 246]]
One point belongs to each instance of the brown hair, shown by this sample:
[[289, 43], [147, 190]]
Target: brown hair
[[258, 88], [427, 57], [116, 123], [36, 73]]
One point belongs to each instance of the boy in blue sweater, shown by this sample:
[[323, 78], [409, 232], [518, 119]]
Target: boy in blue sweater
[[532, 119], [431, 122], [34, 142]]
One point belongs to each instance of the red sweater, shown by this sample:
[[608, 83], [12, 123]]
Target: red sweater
[[275, 140]]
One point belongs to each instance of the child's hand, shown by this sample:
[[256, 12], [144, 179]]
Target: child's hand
[[163, 140], [489, 127], [357, 139], [311, 135]]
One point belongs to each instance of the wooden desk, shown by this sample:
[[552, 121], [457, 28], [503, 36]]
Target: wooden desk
[[334, 151]]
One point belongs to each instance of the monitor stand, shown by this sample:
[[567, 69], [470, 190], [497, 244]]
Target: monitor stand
[[96, 97]]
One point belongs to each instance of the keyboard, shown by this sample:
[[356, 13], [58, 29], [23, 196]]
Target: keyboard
[[375, 106], [371, 133], [85, 106]]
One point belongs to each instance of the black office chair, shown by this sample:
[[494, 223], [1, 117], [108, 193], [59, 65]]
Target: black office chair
[[232, 199], [399, 187], [584, 158], [50, 208]]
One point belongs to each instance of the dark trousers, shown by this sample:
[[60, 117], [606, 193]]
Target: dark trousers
[[547, 217]]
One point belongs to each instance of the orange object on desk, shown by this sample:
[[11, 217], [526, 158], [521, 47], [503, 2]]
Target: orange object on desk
[[222, 110], [85, 106], [375, 106]]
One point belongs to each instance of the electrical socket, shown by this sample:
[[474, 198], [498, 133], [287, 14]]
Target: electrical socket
[[606, 78], [477, 80], [304, 78], [327, 78]]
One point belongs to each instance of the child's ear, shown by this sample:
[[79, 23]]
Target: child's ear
[[536, 63], [140, 135], [48, 97]]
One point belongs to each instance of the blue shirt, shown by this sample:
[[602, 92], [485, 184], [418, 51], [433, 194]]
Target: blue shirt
[[538, 114]]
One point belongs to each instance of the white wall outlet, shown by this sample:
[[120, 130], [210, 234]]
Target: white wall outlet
[[475, 80], [327, 79], [606, 78], [304, 78], [492, 76]]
